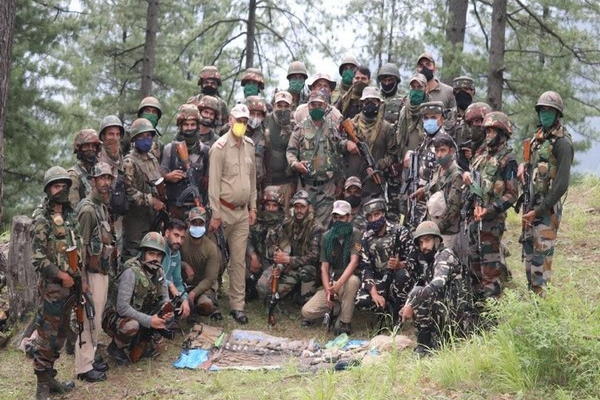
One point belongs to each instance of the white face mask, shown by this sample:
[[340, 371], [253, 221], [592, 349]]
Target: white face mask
[[255, 122], [197, 231]]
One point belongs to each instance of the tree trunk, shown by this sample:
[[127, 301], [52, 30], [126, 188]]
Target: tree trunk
[[21, 278], [149, 48], [496, 60], [455, 36], [8, 9], [250, 34]]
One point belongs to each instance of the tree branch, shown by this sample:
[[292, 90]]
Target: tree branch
[[480, 22], [222, 47], [203, 31]]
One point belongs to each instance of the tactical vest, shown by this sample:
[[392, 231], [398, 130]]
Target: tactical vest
[[85, 186], [150, 175], [490, 167], [427, 160], [199, 173], [544, 163], [260, 148], [147, 288], [392, 107], [325, 162], [61, 236], [102, 244], [278, 137]]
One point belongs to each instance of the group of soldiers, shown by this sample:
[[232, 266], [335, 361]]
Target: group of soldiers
[[331, 195]]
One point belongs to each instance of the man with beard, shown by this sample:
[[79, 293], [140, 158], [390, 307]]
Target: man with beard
[[141, 291], [388, 263], [209, 108], [353, 195], [86, 146], [278, 128], [53, 231], [349, 104], [347, 70], [262, 147], [437, 91], [178, 172], [174, 234], [209, 82], [410, 128], [297, 76], [98, 258], [340, 249], [440, 307], [497, 189], [111, 132], [301, 262], [321, 83]]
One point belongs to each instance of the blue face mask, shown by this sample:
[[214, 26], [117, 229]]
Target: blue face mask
[[430, 126], [197, 231], [143, 144]]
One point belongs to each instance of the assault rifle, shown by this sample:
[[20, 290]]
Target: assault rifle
[[79, 300], [411, 185], [365, 154], [192, 188], [526, 198], [162, 216], [219, 237], [145, 335], [274, 296], [329, 318], [474, 198]]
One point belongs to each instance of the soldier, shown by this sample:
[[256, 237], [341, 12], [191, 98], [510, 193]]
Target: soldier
[[133, 309], [497, 192], [474, 116], [111, 132], [442, 304], [201, 262], [454, 124], [550, 159], [353, 194], [253, 82], [98, 259], [174, 234], [340, 249], [232, 196], [370, 127], [321, 82], [347, 70], [278, 129], [86, 146], [186, 180], [151, 110], [301, 262], [388, 263], [141, 173], [262, 146], [437, 91], [410, 126], [210, 112], [349, 104], [297, 76], [53, 231], [209, 82], [388, 78], [314, 152]]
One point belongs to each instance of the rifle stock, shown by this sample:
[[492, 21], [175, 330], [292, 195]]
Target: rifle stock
[[365, 154], [80, 300], [274, 296], [145, 334]]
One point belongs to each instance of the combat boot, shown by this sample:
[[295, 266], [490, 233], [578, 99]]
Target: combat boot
[[424, 343], [42, 391], [59, 387]]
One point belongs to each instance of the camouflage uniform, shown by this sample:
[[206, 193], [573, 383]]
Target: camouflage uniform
[[393, 285], [80, 178], [223, 115]]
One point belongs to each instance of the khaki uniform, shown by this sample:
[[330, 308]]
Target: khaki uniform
[[232, 184]]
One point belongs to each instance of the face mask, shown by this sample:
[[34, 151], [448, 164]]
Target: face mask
[[428, 73], [370, 110], [255, 122], [547, 118], [389, 88], [416, 96], [271, 217], [283, 117], [209, 90], [495, 141], [463, 100], [430, 126], [354, 200], [445, 160], [61, 197], [189, 133], [476, 132], [327, 94], [296, 85], [208, 122], [376, 225], [143, 144], [153, 118], [359, 87], [197, 231], [317, 114], [250, 89], [347, 77], [341, 225], [239, 129]]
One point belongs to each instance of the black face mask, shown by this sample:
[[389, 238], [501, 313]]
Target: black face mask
[[370, 110], [428, 73], [61, 197], [209, 123], [389, 88], [209, 90], [354, 200], [463, 100], [283, 117]]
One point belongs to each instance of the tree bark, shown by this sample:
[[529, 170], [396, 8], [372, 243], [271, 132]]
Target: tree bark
[[455, 36], [21, 278], [8, 9], [496, 59], [150, 48], [250, 34]]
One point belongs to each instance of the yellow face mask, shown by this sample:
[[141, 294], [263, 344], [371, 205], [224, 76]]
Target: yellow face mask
[[239, 129]]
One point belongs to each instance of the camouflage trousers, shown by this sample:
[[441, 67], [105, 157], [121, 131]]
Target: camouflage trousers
[[393, 285], [538, 248], [121, 329], [52, 323], [393, 192], [305, 276], [322, 197], [486, 263]]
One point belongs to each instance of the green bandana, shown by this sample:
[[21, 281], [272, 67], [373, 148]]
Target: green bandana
[[547, 118], [416, 96], [153, 118], [250, 89], [343, 230], [347, 76], [296, 85]]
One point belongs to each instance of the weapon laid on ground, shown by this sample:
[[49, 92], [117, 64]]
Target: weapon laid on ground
[[329, 318], [411, 185], [365, 154], [78, 300], [274, 296]]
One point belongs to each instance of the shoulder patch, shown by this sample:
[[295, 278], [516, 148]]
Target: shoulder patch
[[220, 143], [357, 247]]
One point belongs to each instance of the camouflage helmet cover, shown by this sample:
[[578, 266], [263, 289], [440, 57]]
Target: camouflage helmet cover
[[498, 120], [477, 110], [188, 111], [256, 103], [272, 193], [255, 75], [388, 69], [101, 168], [374, 205], [86, 136], [426, 228], [550, 99], [209, 72], [150, 102], [155, 241], [349, 59], [56, 174], [209, 102], [108, 121], [141, 125], [301, 196], [463, 82], [297, 67]]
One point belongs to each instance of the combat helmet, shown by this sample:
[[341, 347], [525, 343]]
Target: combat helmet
[[426, 228], [209, 72], [255, 75], [550, 99], [349, 59], [101, 168], [256, 103], [141, 125], [155, 241], [477, 110], [150, 102], [389, 69], [498, 120], [272, 193], [188, 111], [86, 136], [110, 120], [374, 205], [297, 67], [56, 174], [209, 102]]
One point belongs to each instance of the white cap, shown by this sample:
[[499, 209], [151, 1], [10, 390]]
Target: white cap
[[341, 207], [240, 111]]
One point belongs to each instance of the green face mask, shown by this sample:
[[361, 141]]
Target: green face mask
[[416, 96], [296, 85], [347, 77], [547, 118], [250, 89], [153, 118], [317, 114]]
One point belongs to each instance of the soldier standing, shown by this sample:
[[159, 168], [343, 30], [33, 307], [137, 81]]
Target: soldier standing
[[253, 82], [436, 90], [98, 259], [347, 70], [262, 146], [349, 104], [232, 196], [111, 132], [321, 82], [209, 82], [389, 79], [87, 147], [410, 127], [53, 231], [297, 76], [210, 112], [454, 124], [550, 167]]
